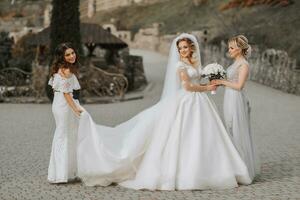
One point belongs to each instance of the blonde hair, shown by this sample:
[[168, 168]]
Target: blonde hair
[[242, 42]]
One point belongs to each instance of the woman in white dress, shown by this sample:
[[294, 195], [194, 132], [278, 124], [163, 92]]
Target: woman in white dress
[[179, 143], [63, 163], [236, 104]]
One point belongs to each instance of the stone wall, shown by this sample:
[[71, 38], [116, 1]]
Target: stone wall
[[26, 14], [13, 25], [124, 35], [276, 69], [271, 67], [151, 39], [26, 17], [113, 4], [103, 5]]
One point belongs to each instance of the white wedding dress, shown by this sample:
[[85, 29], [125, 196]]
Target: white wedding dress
[[179, 143], [63, 163]]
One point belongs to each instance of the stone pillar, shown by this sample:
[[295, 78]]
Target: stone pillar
[[47, 15], [91, 8]]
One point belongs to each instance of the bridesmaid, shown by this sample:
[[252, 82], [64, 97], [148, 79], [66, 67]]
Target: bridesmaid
[[236, 105], [63, 162]]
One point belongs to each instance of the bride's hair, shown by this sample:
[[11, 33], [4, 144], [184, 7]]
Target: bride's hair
[[192, 59], [60, 62], [242, 42]]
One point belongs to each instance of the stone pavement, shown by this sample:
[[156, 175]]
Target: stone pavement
[[26, 132]]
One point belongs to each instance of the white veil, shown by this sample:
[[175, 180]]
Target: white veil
[[172, 82]]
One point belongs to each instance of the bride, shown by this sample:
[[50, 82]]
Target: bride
[[179, 143]]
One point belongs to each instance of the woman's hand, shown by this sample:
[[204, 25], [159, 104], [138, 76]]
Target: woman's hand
[[78, 111], [218, 82], [211, 87], [76, 108]]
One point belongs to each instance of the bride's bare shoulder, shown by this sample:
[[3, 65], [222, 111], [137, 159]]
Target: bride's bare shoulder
[[66, 73]]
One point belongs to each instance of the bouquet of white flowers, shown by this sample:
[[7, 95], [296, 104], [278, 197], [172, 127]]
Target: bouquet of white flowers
[[214, 71]]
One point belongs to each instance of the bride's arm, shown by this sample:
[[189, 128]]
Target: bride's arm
[[192, 87], [243, 75], [72, 104], [66, 74]]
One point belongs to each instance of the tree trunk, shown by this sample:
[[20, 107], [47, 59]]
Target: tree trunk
[[65, 24], [64, 27]]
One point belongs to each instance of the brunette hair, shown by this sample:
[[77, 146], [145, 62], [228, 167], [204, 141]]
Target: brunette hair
[[192, 46], [59, 61]]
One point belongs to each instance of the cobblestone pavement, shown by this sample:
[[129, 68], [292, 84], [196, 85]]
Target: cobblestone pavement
[[26, 132]]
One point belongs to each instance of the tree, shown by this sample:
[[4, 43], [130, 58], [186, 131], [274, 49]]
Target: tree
[[64, 27], [5, 49], [65, 24]]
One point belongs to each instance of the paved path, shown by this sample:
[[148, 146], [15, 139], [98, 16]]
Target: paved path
[[26, 132]]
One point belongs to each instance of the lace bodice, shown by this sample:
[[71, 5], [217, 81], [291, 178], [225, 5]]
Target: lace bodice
[[65, 85], [193, 73], [233, 70]]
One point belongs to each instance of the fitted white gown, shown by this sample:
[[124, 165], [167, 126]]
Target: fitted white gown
[[63, 162], [179, 143], [237, 120]]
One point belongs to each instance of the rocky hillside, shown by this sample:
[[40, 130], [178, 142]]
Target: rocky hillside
[[269, 25]]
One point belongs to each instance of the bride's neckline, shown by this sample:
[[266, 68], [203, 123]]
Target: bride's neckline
[[64, 77], [188, 64]]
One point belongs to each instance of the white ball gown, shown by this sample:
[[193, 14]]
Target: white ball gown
[[179, 143], [63, 162], [237, 120]]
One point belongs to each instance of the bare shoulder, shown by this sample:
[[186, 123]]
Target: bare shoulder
[[244, 69], [244, 66], [244, 63], [65, 73]]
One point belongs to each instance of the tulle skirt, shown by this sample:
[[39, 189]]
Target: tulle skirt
[[237, 121], [179, 143]]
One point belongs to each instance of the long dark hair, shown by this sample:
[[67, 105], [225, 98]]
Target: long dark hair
[[60, 62]]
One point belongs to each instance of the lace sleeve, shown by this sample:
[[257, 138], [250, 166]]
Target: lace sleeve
[[54, 82], [65, 86], [180, 66], [184, 78], [60, 84]]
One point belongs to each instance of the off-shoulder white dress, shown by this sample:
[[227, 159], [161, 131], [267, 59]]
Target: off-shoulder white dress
[[63, 162]]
